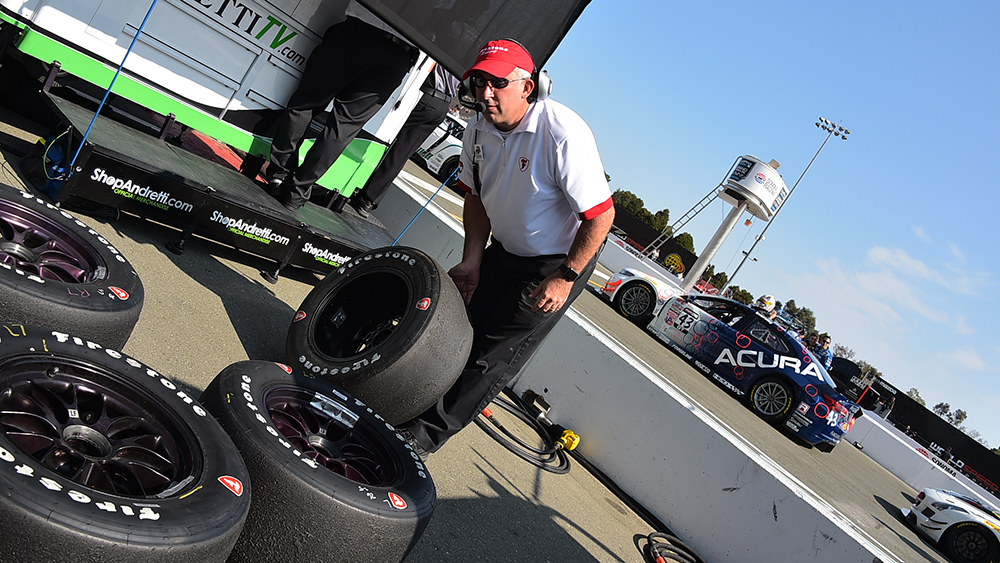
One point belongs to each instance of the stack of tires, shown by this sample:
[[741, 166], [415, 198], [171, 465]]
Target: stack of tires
[[102, 458]]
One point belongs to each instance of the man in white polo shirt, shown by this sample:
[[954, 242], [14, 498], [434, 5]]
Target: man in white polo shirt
[[533, 178]]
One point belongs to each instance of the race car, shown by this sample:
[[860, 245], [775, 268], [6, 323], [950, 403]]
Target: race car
[[441, 150], [638, 296], [756, 359], [967, 529]]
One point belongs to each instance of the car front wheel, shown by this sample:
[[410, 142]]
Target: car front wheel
[[969, 542], [636, 301]]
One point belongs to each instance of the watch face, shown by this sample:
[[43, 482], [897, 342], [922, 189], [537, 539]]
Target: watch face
[[569, 274]]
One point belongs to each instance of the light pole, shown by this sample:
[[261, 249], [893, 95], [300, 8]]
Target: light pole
[[833, 130]]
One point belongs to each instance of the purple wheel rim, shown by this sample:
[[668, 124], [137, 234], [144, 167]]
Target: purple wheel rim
[[93, 427], [328, 432], [39, 245]]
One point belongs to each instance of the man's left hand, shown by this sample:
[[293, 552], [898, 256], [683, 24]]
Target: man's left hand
[[552, 294]]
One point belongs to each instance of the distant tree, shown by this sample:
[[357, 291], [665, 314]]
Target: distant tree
[[957, 417], [629, 202], [975, 435], [841, 351], [954, 417], [914, 394], [941, 409], [709, 272], [685, 241], [661, 221], [743, 296], [634, 205], [719, 280], [868, 369], [802, 315]]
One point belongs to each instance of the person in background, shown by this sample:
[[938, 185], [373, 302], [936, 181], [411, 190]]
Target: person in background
[[538, 194], [438, 90], [357, 66], [822, 352]]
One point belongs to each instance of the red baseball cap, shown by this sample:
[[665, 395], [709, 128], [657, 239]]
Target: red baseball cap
[[500, 58]]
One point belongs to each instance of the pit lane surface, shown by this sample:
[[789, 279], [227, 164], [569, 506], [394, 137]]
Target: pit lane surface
[[855, 485], [237, 302], [846, 478]]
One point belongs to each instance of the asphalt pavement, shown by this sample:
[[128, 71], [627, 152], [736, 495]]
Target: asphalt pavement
[[209, 308]]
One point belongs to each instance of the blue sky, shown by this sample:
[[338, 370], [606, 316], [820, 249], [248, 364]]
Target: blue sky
[[889, 238]]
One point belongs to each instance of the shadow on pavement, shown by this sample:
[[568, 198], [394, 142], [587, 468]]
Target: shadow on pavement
[[511, 527], [895, 513]]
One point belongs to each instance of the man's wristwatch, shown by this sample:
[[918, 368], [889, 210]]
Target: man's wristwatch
[[568, 274]]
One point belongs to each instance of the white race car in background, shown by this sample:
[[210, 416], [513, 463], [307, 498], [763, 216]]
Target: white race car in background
[[638, 296], [441, 150], [967, 529]]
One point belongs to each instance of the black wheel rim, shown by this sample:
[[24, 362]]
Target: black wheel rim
[[325, 430], [770, 398], [40, 245], [361, 314], [635, 300], [93, 427], [971, 545]]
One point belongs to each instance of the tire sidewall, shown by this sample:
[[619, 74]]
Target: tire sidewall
[[119, 290], [412, 267], [236, 397], [116, 299], [788, 404], [204, 502], [949, 538], [648, 312]]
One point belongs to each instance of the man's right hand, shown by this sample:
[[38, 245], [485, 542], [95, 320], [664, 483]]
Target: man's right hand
[[466, 277]]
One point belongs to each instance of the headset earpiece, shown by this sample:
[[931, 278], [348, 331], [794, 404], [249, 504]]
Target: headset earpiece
[[543, 86]]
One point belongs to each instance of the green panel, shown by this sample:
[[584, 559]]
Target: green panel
[[349, 172]]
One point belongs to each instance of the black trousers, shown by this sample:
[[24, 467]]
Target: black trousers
[[357, 67], [426, 115], [505, 334]]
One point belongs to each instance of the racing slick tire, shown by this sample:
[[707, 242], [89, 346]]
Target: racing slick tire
[[104, 459], [771, 398], [331, 478], [56, 271], [970, 542], [389, 327], [636, 301]]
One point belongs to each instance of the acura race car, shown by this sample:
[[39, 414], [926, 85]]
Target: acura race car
[[756, 359], [966, 528]]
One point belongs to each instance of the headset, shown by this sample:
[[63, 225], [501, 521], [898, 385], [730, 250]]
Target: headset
[[542, 91]]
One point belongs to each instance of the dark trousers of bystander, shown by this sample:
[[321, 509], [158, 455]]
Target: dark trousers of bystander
[[506, 333], [426, 115], [357, 67]]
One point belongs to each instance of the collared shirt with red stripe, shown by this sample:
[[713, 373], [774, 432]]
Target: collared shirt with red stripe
[[540, 182]]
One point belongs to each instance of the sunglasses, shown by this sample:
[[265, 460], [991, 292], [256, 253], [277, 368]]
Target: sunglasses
[[495, 83]]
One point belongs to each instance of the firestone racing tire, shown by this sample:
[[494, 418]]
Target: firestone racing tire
[[104, 459], [332, 479], [56, 271], [389, 327]]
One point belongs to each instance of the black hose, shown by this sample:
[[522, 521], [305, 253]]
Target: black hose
[[665, 547], [550, 458], [661, 547]]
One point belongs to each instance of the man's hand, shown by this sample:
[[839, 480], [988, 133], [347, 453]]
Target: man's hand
[[552, 293], [466, 277]]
